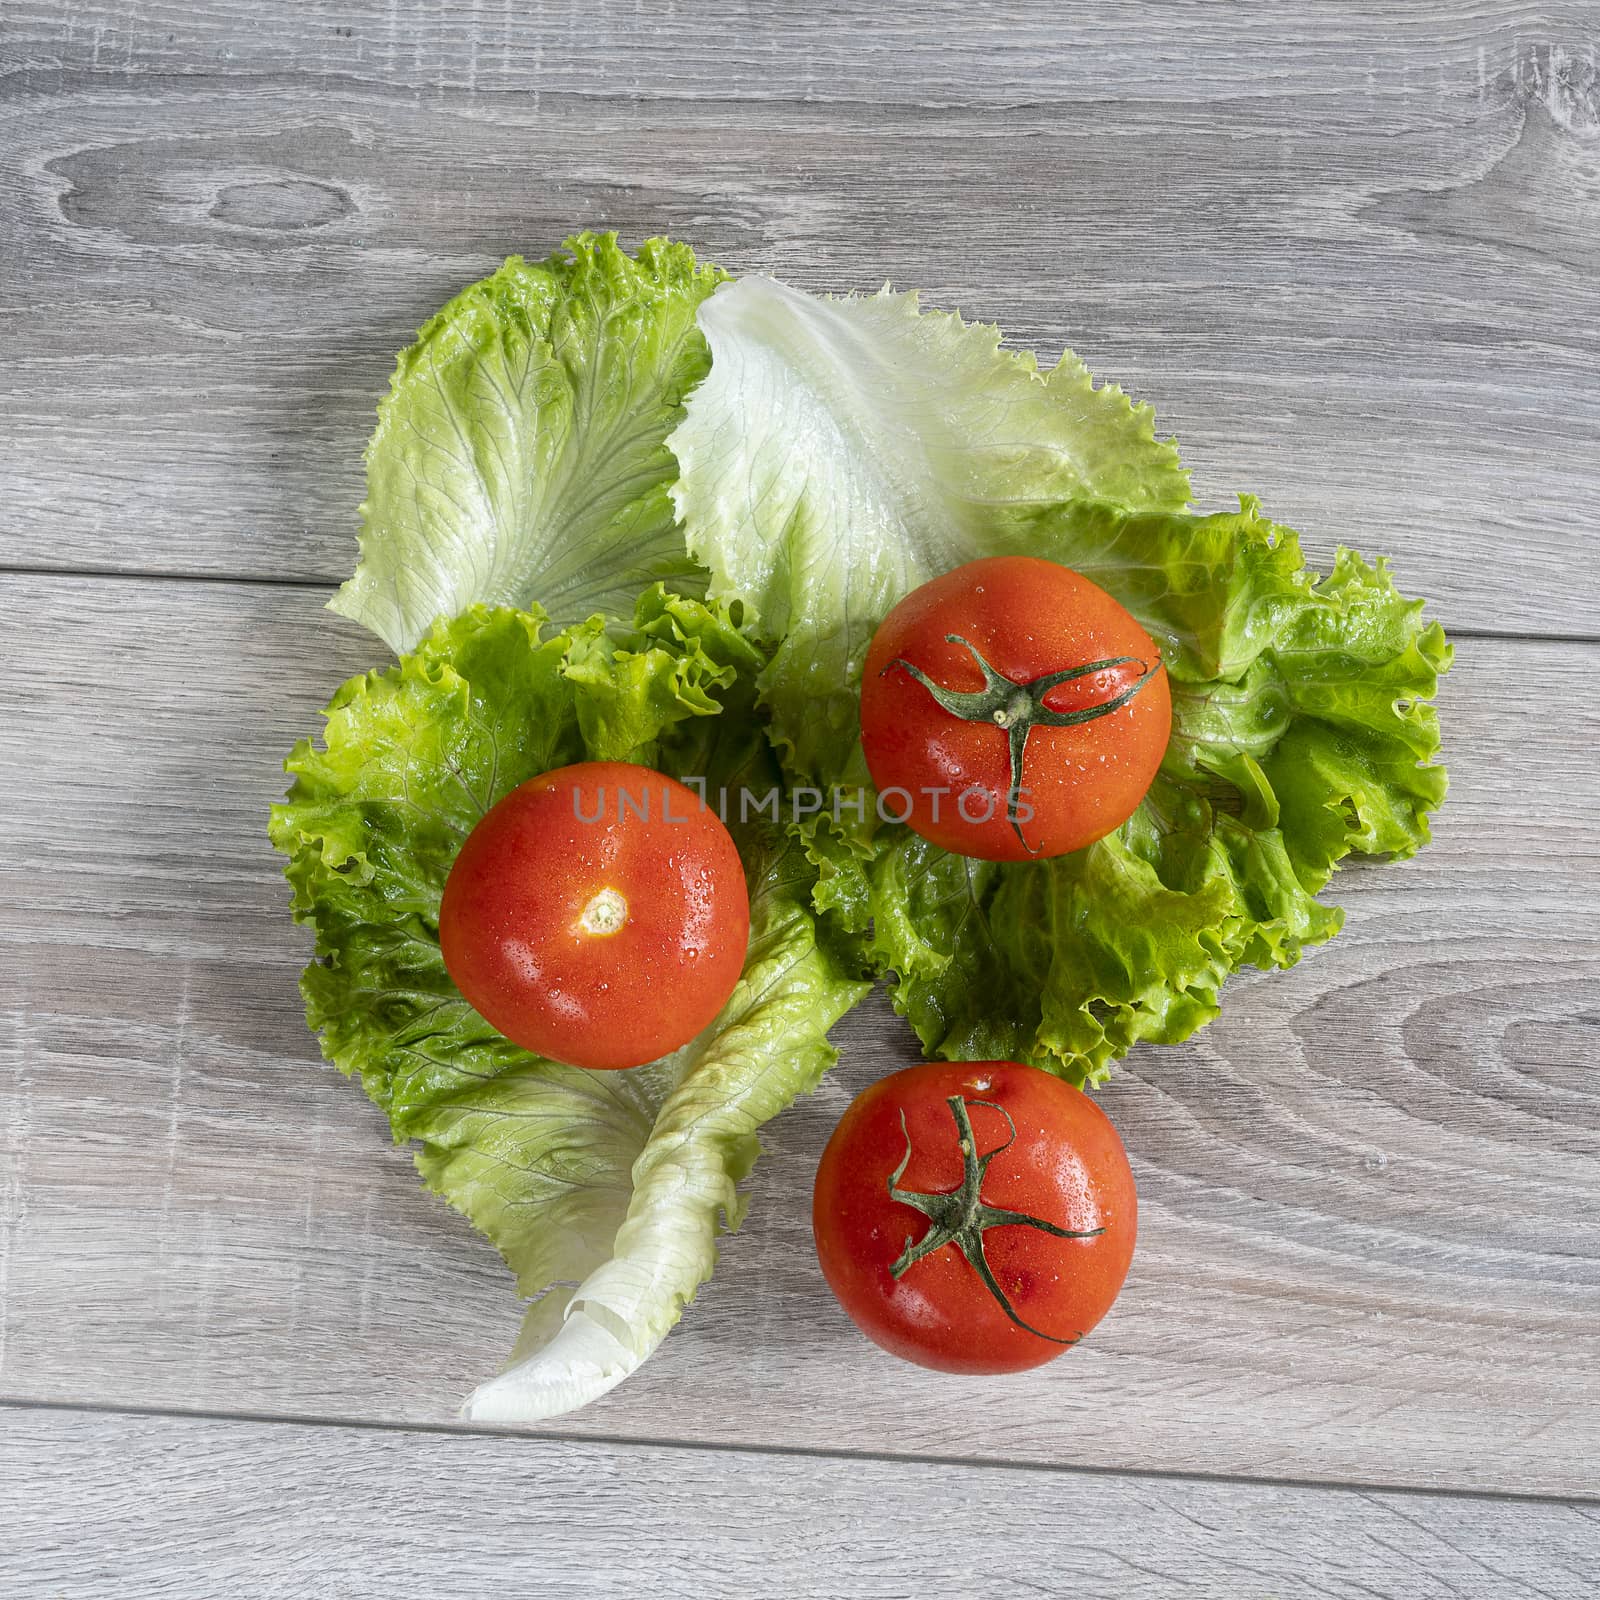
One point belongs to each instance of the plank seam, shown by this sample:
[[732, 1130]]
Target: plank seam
[[804, 1452], [328, 587]]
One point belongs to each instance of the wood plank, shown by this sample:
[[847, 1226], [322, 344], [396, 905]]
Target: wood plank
[[1370, 1193], [187, 1506], [934, 53], [1353, 263]]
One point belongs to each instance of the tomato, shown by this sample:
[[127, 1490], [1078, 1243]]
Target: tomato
[[597, 915], [974, 1217], [1012, 709]]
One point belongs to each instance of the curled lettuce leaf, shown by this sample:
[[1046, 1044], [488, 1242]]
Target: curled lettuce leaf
[[605, 1191], [1319, 742], [842, 452], [520, 454]]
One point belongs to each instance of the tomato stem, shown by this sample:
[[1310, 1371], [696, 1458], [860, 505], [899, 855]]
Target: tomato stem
[[960, 1216], [1017, 707]]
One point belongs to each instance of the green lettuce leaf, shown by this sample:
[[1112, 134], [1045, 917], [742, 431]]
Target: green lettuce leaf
[[605, 1191], [842, 452], [520, 454], [1301, 732]]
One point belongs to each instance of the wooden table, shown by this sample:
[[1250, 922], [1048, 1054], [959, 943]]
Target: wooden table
[[1349, 251]]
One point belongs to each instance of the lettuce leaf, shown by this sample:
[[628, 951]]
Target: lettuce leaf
[[536, 444], [520, 454], [604, 1191], [842, 452], [1320, 746]]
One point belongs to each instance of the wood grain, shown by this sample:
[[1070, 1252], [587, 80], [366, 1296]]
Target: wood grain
[[1352, 259], [934, 53], [1350, 253], [193, 1508], [1370, 1193]]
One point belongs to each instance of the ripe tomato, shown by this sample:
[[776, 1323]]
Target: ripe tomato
[[1013, 709], [597, 915], [974, 1217]]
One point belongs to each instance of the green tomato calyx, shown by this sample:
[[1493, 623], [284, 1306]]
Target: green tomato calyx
[[1018, 708], [960, 1216]]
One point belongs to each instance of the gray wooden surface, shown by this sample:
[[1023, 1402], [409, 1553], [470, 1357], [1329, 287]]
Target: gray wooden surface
[[396, 1513], [1349, 252]]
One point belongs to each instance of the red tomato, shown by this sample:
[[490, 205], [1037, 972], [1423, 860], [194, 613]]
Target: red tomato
[[1013, 676], [597, 915], [974, 1217]]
